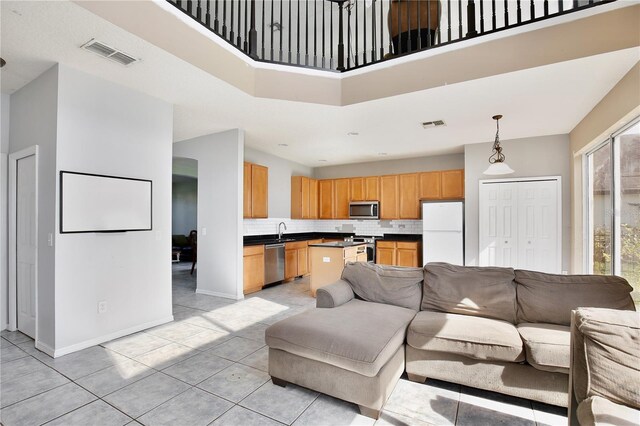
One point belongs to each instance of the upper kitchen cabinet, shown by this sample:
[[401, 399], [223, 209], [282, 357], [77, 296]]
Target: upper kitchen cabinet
[[444, 184], [300, 192], [453, 184], [372, 188], [356, 187], [256, 182], [431, 185], [304, 198], [325, 199], [389, 197], [341, 198], [313, 199], [409, 203], [246, 206]]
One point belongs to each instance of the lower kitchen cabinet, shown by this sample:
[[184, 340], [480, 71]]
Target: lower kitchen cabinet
[[296, 261], [399, 253], [253, 267]]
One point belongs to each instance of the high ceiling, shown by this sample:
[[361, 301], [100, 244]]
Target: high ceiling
[[543, 100]]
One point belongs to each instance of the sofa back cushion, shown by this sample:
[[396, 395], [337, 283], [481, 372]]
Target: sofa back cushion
[[549, 298], [481, 291], [385, 284]]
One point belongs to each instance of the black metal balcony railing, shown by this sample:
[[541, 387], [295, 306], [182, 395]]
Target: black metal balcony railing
[[341, 35]]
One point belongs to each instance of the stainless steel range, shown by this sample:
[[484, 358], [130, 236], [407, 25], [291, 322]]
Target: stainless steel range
[[370, 241]]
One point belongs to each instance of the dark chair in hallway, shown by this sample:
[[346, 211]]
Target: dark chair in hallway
[[193, 242]]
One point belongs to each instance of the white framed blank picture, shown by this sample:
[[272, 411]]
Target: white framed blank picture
[[100, 203]]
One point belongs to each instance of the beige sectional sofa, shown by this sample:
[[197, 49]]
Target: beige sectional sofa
[[491, 328], [605, 367]]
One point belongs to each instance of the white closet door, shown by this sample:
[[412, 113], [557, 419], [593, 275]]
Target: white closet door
[[519, 225], [26, 245], [538, 231], [498, 224]]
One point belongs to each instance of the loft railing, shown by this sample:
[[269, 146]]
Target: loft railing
[[341, 35]]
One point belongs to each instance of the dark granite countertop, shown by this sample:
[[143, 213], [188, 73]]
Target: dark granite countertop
[[338, 244], [401, 237], [255, 240]]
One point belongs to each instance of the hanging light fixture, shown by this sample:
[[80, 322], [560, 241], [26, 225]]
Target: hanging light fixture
[[497, 165]]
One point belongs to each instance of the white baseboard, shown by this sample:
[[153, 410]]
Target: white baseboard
[[217, 294], [105, 338], [45, 348]]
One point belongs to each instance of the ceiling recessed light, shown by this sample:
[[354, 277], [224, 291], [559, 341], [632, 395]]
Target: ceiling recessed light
[[283, 144], [353, 134], [323, 161]]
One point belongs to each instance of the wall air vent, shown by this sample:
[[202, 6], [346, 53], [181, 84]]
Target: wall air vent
[[435, 123], [108, 52]]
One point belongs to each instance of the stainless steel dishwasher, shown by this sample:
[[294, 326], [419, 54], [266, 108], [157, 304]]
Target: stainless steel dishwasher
[[273, 263]]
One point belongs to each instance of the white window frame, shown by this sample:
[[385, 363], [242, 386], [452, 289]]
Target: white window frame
[[616, 234]]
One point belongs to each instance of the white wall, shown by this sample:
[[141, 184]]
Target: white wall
[[184, 205], [390, 167], [220, 197], [105, 128], [280, 172], [33, 121], [4, 177], [529, 157]]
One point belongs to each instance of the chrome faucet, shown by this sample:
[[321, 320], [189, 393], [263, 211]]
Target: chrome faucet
[[280, 229]]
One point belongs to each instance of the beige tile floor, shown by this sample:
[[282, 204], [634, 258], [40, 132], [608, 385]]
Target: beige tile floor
[[209, 366]]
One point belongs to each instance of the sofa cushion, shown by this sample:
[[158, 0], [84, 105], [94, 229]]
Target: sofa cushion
[[550, 298], [481, 291], [358, 336], [474, 337], [392, 285], [606, 350], [600, 411], [546, 346]]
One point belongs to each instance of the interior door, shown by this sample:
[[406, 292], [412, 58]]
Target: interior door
[[538, 231], [498, 224], [26, 245]]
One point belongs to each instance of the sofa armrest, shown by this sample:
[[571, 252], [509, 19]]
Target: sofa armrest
[[334, 295], [604, 355]]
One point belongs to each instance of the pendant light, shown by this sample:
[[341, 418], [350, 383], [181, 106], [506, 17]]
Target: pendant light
[[497, 165]]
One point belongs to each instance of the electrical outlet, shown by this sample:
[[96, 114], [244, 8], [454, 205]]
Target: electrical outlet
[[102, 307]]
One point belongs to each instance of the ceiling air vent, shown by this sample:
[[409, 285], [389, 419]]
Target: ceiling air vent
[[435, 123], [109, 52]]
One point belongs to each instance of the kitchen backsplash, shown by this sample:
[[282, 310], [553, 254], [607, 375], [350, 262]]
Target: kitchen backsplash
[[359, 227]]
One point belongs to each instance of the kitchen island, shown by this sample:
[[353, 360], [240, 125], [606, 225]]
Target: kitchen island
[[328, 260]]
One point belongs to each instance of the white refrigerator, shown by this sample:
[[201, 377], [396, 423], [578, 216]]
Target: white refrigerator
[[443, 232]]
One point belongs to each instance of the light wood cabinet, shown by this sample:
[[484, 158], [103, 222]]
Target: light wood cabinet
[[409, 203], [313, 199], [256, 192], [372, 188], [399, 195], [398, 253], [430, 186], [253, 267], [453, 184], [385, 253], [442, 185], [296, 261], [356, 187], [246, 206], [301, 197], [325, 199], [389, 197], [290, 264], [407, 254], [341, 198]]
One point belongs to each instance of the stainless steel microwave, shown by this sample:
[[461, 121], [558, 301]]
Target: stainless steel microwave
[[364, 210]]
